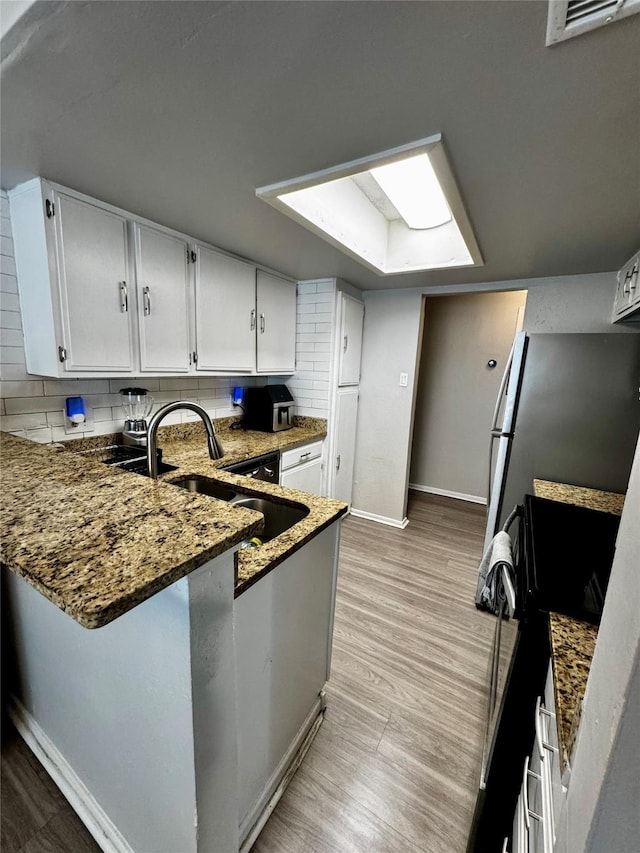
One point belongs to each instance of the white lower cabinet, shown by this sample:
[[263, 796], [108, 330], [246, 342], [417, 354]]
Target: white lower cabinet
[[344, 444], [301, 468], [539, 803], [283, 634]]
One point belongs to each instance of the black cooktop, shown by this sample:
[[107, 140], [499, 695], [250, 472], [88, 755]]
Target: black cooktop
[[569, 552]]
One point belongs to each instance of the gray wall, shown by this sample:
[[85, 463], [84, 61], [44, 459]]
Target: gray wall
[[391, 345], [573, 303], [392, 339], [457, 391]]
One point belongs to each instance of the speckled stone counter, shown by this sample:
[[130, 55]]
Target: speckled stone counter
[[579, 495], [573, 643], [98, 541]]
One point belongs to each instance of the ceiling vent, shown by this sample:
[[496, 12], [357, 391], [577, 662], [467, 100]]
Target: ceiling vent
[[568, 18]]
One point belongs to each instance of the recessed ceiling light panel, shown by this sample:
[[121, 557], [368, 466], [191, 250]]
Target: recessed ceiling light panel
[[398, 211]]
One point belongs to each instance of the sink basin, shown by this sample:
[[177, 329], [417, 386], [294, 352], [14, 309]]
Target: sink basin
[[277, 517], [205, 487]]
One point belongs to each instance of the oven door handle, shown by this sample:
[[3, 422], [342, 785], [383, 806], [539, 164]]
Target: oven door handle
[[509, 592]]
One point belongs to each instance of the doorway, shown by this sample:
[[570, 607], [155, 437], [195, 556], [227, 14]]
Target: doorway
[[465, 346]]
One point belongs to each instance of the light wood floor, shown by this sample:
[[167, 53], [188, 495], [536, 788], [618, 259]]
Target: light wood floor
[[395, 764]]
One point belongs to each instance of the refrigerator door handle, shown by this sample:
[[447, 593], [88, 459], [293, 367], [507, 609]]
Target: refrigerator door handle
[[502, 389], [494, 434]]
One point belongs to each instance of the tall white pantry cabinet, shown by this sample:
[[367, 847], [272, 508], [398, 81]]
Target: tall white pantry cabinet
[[106, 293], [345, 315]]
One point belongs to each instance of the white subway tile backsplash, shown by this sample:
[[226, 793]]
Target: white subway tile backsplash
[[14, 371], [305, 328], [8, 283], [11, 355], [9, 302], [5, 226], [43, 435], [75, 387], [10, 320], [7, 265], [29, 405], [23, 421], [176, 383], [11, 337], [21, 389], [306, 287], [326, 286], [6, 246]]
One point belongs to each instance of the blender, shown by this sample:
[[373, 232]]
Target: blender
[[137, 408]]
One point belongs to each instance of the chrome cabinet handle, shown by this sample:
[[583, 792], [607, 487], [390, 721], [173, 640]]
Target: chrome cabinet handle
[[262, 324], [346, 342], [305, 455], [269, 471], [542, 744], [338, 462], [146, 299], [124, 297], [626, 289], [253, 320]]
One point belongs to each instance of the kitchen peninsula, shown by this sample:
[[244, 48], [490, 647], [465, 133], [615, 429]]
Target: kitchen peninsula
[[169, 727]]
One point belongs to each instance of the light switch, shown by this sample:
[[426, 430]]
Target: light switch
[[404, 380]]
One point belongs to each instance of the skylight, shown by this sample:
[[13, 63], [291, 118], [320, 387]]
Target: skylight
[[398, 211]]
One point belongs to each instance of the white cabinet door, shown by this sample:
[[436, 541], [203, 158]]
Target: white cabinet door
[[345, 444], [306, 478], [162, 274], [351, 321], [96, 290], [276, 304], [225, 303]]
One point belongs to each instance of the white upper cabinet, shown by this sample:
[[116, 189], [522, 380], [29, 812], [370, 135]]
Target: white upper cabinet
[[95, 286], [106, 293], [74, 275], [351, 321], [225, 300], [276, 310], [163, 280]]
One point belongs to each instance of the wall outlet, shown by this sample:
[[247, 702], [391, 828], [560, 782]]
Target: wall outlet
[[404, 380], [76, 429]]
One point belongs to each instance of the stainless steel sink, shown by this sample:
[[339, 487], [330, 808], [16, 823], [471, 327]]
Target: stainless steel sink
[[206, 487], [277, 517]]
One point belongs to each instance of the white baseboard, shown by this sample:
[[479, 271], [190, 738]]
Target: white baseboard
[[381, 519], [106, 834], [474, 499]]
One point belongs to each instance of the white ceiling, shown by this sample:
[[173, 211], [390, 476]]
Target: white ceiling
[[179, 110]]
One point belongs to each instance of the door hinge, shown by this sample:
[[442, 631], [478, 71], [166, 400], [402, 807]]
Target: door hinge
[[50, 208], [62, 353]]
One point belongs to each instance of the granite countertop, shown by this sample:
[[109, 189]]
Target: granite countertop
[[579, 495], [572, 640], [573, 643], [97, 541]]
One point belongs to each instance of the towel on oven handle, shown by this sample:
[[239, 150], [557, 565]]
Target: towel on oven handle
[[498, 557]]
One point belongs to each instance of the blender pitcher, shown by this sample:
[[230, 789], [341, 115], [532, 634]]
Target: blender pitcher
[[137, 408]]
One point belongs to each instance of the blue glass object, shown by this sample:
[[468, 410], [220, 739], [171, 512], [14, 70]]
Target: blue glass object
[[237, 395]]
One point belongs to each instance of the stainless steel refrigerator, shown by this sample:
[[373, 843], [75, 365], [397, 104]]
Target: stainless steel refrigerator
[[568, 411]]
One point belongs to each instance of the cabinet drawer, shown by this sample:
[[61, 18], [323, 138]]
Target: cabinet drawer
[[300, 455]]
